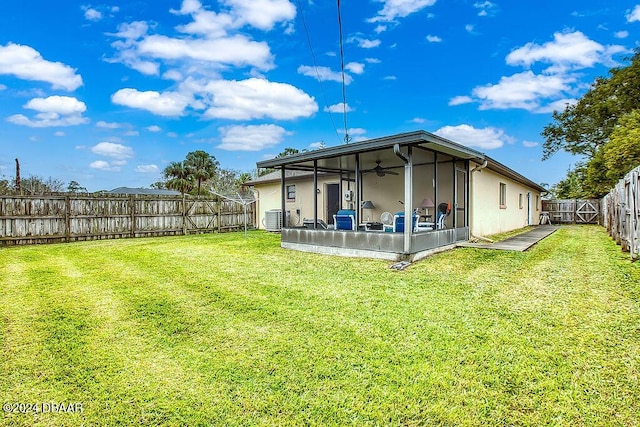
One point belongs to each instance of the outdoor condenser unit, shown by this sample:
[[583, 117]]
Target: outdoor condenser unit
[[273, 220]]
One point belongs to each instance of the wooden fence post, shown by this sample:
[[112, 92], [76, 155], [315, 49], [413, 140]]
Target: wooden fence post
[[184, 214], [132, 207], [67, 218]]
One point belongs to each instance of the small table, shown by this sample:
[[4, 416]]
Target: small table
[[424, 226], [371, 226]]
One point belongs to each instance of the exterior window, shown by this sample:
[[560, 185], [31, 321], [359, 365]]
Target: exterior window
[[537, 202], [503, 195], [291, 192], [521, 201]]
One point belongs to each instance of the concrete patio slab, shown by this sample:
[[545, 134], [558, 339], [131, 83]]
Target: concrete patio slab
[[519, 243]]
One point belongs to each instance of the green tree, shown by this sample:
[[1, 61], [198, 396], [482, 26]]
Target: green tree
[[287, 152], [6, 186], [571, 187], [585, 127], [74, 187], [178, 177], [201, 166], [622, 152]]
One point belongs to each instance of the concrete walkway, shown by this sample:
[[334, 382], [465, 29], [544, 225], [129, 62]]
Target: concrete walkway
[[520, 243]]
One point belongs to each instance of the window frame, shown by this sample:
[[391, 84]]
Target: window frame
[[503, 195], [291, 192]]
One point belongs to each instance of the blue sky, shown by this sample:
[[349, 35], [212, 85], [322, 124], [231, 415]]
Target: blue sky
[[108, 93]]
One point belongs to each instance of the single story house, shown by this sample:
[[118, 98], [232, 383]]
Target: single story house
[[352, 199]]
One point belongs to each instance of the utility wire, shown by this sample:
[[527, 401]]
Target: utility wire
[[347, 138], [315, 66]]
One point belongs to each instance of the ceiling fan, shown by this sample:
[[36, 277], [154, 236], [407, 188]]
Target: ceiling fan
[[380, 171]]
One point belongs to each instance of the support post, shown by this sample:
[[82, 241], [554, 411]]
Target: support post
[[357, 189], [283, 194], [408, 201], [315, 194]]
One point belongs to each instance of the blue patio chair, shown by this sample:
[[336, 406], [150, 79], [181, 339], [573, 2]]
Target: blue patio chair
[[345, 219], [398, 221], [444, 209]]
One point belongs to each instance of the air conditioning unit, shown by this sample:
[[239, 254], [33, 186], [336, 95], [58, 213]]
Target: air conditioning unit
[[348, 195], [273, 220]]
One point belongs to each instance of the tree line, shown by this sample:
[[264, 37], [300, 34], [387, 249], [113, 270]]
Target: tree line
[[200, 174], [603, 128]]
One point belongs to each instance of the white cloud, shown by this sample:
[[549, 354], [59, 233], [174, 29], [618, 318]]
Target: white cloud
[[355, 67], [211, 41], [469, 28], [634, 15], [59, 133], [621, 34], [488, 138], [169, 104], [174, 75], [459, 100], [529, 144], [486, 8], [236, 50], [373, 60], [91, 14], [523, 90], [317, 145], [390, 78], [251, 138], [3, 87], [116, 151], [567, 50], [172, 134], [364, 43], [393, 9], [26, 63], [324, 74], [558, 105], [154, 128], [53, 111], [105, 125], [257, 98], [262, 14], [63, 105], [147, 169], [433, 39], [132, 133], [418, 120], [337, 108], [104, 166]]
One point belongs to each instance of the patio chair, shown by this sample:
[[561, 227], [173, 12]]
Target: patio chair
[[444, 209], [345, 219], [398, 221]]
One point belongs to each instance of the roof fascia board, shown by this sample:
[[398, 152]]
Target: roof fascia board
[[431, 141]]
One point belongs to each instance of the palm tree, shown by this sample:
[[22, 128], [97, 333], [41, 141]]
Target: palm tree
[[202, 166], [178, 177]]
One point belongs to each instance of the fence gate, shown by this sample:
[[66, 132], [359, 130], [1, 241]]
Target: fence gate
[[587, 211], [572, 211]]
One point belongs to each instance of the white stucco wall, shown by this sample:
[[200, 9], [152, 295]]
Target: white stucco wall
[[487, 216]]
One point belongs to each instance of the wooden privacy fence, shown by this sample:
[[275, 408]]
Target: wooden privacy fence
[[71, 217], [572, 211], [621, 213]]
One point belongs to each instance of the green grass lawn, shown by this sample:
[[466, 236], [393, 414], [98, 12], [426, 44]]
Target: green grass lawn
[[222, 330]]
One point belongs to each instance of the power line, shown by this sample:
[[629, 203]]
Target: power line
[[315, 66], [347, 138]]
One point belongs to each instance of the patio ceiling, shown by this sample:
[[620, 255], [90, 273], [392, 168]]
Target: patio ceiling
[[341, 158]]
